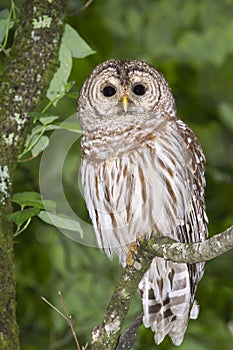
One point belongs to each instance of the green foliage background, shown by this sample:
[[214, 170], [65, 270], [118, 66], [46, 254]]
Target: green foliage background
[[191, 42]]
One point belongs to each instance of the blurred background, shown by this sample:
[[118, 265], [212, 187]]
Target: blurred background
[[191, 43]]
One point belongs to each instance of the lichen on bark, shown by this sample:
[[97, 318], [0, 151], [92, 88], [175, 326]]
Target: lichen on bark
[[31, 64]]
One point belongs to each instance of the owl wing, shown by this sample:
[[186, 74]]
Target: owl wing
[[194, 228], [168, 288]]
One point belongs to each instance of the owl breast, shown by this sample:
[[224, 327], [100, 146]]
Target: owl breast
[[141, 192]]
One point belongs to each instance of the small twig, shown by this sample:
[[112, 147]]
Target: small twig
[[27, 159], [54, 308], [67, 317], [88, 3], [69, 321], [82, 8]]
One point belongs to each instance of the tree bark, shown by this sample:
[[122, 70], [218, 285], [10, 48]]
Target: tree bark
[[106, 336], [32, 62]]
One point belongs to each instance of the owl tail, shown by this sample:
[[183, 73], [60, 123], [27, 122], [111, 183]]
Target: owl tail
[[166, 299]]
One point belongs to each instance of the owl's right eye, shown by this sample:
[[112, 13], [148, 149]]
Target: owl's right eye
[[109, 91]]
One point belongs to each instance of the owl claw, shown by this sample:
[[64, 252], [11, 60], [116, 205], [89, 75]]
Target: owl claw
[[132, 254], [139, 241]]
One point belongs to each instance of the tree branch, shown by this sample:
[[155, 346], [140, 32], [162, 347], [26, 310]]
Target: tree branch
[[190, 252], [127, 339], [106, 336]]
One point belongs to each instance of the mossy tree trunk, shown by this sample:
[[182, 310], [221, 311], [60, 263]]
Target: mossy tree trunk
[[32, 62]]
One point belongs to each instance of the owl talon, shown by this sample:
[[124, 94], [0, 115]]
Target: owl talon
[[140, 240], [132, 254], [133, 251]]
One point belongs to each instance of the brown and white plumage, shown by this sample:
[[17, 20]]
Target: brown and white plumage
[[143, 175]]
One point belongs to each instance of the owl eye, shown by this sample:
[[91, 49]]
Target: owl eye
[[139, 89], [109, 91]]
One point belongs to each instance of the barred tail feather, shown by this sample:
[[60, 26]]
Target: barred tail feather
[[166, 299]]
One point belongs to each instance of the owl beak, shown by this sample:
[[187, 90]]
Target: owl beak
[[125, 103]]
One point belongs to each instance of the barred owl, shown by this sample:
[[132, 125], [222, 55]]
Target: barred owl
[[143, 175]]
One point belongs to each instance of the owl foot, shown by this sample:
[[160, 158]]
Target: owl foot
[[133, 252]]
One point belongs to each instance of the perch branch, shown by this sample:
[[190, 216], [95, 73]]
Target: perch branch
[[190, 252], [106, 336]]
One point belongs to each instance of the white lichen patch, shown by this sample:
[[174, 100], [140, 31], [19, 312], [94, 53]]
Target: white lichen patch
[[10, 139], [95, 335], [20, 120], [34, 36], [126, 278], [18, 98], [137, 265], [38, 77], [41, 22], [113, 326], [4, 183], [125, 294], [50, 1]]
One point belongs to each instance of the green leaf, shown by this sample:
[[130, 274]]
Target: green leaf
[[49, 205], [72, 45], [61, 221], [57, 85], [36, 115], [75, 43], [48, 120], [72, 94], [40, 145], [23, 197], [19, 217], [37, 129], [52, 127], [4, 14], [33, 199], [69, 85], [31, 138], [71, 126], [226, 114]]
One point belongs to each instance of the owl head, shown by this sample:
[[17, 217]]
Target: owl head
[[122, 91]]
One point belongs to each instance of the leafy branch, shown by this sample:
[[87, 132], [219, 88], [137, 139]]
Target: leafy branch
[[106, 336], [7, 21], [32, 204]]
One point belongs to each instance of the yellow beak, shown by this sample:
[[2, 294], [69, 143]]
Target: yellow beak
[[125, 103]]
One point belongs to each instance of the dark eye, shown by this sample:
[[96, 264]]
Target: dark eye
[[109, 91], [139, 89]]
